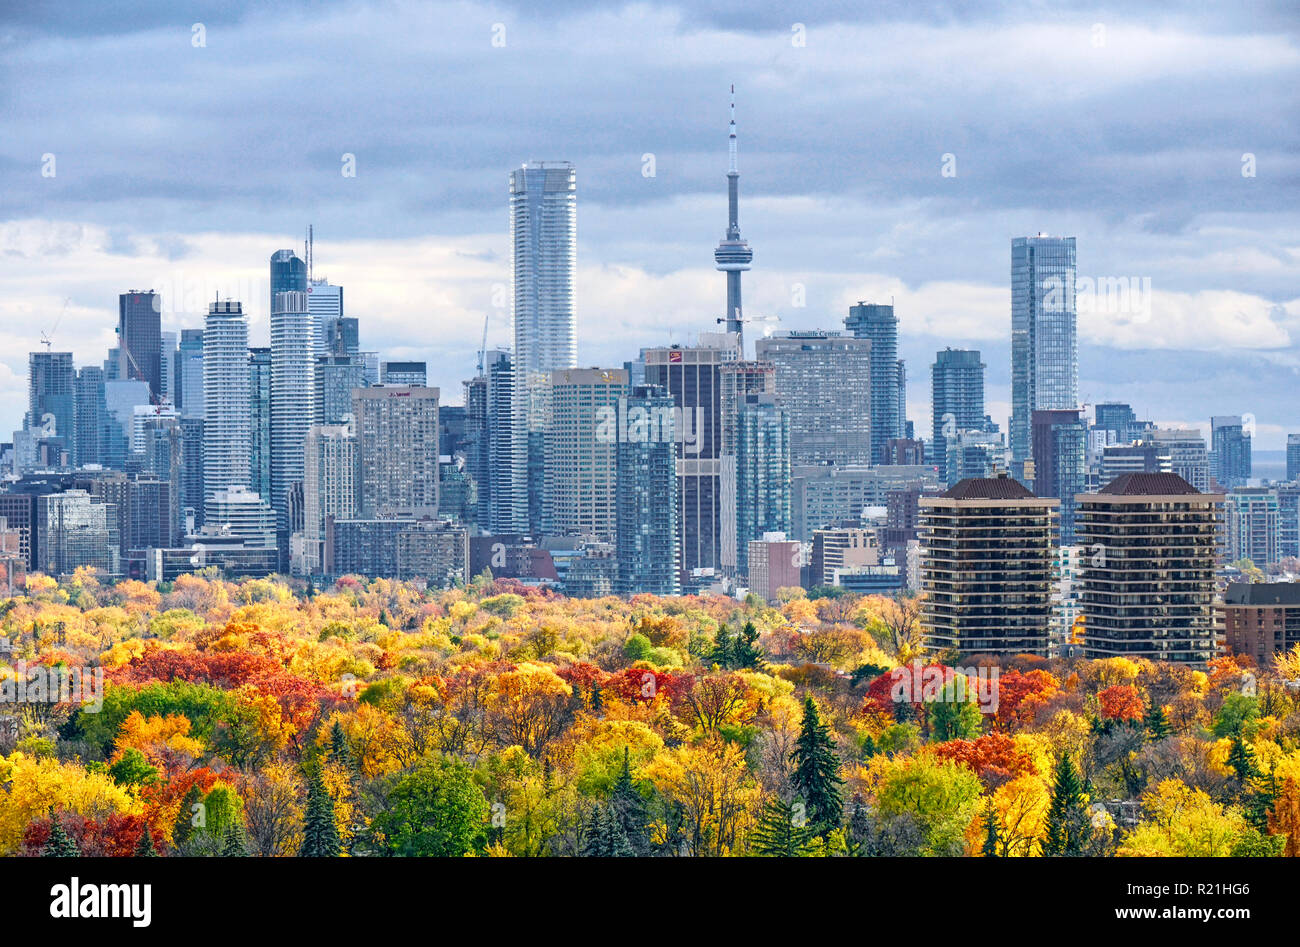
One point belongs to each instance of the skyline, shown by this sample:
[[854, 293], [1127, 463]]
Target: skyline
[[847, 211]]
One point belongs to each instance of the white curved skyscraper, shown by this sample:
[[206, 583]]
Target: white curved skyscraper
[[228, 422], [544, 241]]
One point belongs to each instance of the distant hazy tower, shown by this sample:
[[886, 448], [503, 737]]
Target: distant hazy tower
[[733, 255], [139, 339], [293, 391], [228, 425], [1044, 336], [544, 238]]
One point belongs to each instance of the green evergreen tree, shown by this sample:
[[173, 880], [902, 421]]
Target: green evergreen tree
[[146, 848], [721, 653], [629, 808], [778, 833], [339, 752], [1156, 722], [233, 845], [1242, 760], [744, 651], [992, 835], [60, 844], [183, 827], [605, 837], [816, 776], [320, 834], [1068, 825]]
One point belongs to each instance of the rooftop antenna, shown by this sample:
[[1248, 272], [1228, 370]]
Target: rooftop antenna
[[307, 251]]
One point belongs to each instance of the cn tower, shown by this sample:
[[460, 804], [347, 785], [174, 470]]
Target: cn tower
[[733, 254]]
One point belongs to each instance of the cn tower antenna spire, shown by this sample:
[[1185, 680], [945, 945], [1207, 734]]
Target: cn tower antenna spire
[[733, 254], [732, 168]]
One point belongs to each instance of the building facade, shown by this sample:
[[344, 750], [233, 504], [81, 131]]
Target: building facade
[[987, 549], [1146, 580]]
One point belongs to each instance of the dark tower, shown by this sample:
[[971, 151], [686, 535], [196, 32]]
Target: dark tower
[[733, 254]]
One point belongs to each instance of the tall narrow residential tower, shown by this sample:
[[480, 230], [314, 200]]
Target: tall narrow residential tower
[[544, 240], [228, 425], [733, 255]]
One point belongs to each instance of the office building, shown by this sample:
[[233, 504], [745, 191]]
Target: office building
[[329, 487], [762, 463], [823, 379], [1044, 338], [403, 373], [646, 496], [139, 340], [1060, 462], [336, 377], [581, 434], [1293, 457], [75, 530], [956, 400], [1230, 450], [692, 375], [775, 563], [259, 400], [1119, 419], [189, 374], [839, 551], [1188, 456], [877, 322], [823, 496]]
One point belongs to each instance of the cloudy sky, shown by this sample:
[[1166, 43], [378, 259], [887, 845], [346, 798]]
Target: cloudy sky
[[888, 154]]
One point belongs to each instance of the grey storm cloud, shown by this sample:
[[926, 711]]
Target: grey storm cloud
[[1133, 143]]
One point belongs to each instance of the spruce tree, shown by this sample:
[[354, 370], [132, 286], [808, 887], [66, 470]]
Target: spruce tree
[[778, 833], [1242, 760], [1156, 722], [60, 844], [146, 848], [629, 809], [1068, 825], [745, 653], [816, 775], [320, 834], [338, 752], [992, 836], [605, 837], [233, 844], [183, 827]]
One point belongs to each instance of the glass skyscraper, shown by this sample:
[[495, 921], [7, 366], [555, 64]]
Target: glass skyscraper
[[957, 399], [139, 339], [878, 323], [1044, 336], [646, 508]]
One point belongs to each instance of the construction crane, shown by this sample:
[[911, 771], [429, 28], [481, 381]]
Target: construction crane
[[482, 350], [47, 338]]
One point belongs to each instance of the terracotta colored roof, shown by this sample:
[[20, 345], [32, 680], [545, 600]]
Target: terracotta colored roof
[[1148, 484], [988, 488]]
